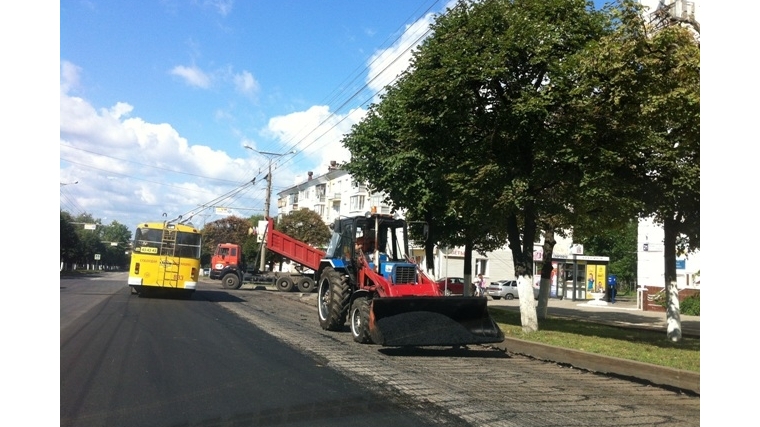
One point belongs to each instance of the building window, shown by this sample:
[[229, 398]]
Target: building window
[[481, 266], [357, 203]]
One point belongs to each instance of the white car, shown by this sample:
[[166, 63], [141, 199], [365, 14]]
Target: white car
[[506, 289]]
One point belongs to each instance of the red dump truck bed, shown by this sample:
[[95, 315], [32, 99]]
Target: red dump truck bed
[[294, 250]]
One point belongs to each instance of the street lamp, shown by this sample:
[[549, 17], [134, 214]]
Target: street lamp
[[271, 157]]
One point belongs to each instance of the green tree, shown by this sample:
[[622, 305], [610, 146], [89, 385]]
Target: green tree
[[69, 238], [89, 240], [304, 225], [307, 226], [116, 237], [638, 94], [470, 136], [231, 229]]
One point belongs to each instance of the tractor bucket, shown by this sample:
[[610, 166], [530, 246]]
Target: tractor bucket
[[432, 321]]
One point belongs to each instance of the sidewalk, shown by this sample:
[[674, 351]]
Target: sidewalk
[[623, 313]]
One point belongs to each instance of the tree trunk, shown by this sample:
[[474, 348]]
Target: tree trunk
[[546, 274], [528, 316], [670, 228], [430, 240], [466, 291], [523, 268]]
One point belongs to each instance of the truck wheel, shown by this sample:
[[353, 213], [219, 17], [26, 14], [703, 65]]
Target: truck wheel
[[284, 284], [231, 281], [332, 299], [306, 285], [360, 320]]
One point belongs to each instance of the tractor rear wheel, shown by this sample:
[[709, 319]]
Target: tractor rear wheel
[[332, 299], [231, 281], [360, 320]]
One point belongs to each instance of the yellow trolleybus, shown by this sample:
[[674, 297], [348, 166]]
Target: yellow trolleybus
[[165, 256]]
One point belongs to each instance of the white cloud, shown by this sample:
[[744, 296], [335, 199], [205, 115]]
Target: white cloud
[[245, 83], [193, 76], [386, 65], [315, 133], [69, 76], [222, 6], [130, 170]]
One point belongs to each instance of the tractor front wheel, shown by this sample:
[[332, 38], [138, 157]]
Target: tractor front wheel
[[360, 320]]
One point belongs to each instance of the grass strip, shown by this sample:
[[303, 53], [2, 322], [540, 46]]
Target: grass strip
[[625, 343]]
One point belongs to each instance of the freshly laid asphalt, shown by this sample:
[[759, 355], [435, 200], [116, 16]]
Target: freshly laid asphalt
[[623, 313]]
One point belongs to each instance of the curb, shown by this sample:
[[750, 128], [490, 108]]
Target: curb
[[657, 375]]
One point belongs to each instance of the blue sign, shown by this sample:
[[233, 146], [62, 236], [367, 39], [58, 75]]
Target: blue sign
[[680, 264], [612, 280]]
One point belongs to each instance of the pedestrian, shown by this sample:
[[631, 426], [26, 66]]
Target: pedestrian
[[481, 285]]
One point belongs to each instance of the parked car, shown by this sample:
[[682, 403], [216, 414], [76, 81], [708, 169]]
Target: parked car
[[506, 289], [451, 285]]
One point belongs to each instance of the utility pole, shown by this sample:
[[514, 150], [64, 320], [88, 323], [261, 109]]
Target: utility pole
[[269, 189], [270, 157]]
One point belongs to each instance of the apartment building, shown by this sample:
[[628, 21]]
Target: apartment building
[[331, 195]]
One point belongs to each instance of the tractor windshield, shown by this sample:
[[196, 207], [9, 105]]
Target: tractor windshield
[[332, 247]]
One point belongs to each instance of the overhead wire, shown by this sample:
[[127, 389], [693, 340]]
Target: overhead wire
[[146, 165], [361, 70], [335, 111]]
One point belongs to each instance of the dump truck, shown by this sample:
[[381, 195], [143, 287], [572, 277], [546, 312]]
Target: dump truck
[[227, 265], [368, 278]]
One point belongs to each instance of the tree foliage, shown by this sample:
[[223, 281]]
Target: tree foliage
[[231, 229], [638, 90], [526, 116], [80, 245], [307, 226], [69, 238], [472, 135]]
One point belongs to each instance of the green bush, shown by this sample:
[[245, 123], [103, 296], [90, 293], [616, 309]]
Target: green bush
[[690, 305]]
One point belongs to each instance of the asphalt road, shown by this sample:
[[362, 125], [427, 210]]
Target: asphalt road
[[130, 361], [127, 360]]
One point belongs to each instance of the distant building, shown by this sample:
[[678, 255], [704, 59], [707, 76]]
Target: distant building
[[330, 195], [664, 13]]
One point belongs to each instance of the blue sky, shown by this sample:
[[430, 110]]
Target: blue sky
[[158, 99]]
